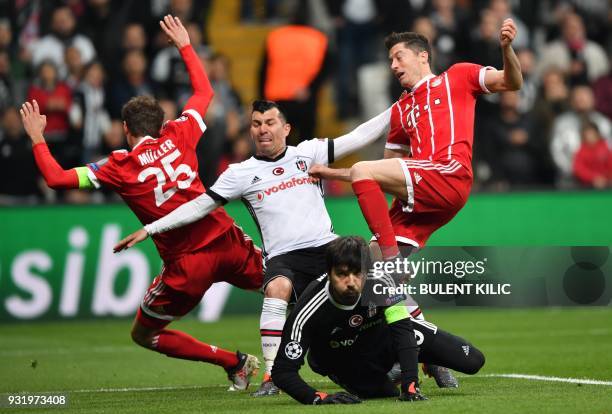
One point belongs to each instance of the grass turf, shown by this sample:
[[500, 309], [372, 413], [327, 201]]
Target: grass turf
[[101, 371]]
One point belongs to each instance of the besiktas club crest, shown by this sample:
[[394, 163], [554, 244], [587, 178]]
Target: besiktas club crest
[[301, 165]]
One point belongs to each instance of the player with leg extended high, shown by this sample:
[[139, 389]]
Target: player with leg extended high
[[356, 343], [427, 165], [156, 176]]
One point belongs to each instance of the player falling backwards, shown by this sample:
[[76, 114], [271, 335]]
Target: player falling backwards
[[428, 155], [356, 343], [157, 175]]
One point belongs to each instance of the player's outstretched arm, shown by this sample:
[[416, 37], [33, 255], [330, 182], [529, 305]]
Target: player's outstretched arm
[[55, 176], [324, 172], [131, 240], [363, 135], [183, 215], [202, 89], [288, 362], [510, 78]]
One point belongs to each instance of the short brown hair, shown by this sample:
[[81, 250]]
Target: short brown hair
[[143, 116], [412, 40]]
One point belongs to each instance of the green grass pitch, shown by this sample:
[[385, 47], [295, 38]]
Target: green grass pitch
[[101, 371]]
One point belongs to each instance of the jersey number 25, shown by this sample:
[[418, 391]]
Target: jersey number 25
[[162, 196]]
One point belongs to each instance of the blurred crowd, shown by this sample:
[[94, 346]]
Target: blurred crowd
[[83, 59]]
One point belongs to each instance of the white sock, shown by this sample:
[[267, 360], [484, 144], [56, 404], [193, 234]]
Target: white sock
[[416, 313], [273, 315]]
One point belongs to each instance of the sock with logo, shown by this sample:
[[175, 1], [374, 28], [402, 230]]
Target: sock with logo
[[375, 210], [178, 344], [273, 316]]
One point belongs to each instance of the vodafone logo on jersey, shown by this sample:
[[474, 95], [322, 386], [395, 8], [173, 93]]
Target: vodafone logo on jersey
[[278, 171], [285, 185]]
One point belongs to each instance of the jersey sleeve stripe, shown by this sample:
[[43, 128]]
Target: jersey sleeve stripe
[[303, 311], [216, 196], [92, 177], [308, 315], [330, 151], [196, 115], [481, 78], [296, 329]]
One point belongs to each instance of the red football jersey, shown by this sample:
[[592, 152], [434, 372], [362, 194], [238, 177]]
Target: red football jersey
[[435, 120], [157, 176]]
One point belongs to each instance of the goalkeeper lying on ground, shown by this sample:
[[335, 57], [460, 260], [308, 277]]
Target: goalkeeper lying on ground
[[355, 343]]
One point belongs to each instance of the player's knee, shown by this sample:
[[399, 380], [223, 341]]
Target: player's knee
[[360, 171], [141, 336], [280, 288], [475, 362], [137, 337]]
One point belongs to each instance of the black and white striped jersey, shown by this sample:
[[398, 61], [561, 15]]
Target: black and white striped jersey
[[334, 332]]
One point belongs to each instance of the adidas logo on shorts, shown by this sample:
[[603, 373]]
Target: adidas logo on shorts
[[417, 178]]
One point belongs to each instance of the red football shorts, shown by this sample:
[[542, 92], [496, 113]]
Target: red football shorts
[[231, 257], [436, 193]]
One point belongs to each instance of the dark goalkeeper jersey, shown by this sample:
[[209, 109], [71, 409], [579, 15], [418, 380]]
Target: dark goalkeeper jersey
[[335, 334]]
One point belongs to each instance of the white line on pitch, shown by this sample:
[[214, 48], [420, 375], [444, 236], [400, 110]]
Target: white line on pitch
[[135, 389], [585, 381], [144, 389], [552, 379]]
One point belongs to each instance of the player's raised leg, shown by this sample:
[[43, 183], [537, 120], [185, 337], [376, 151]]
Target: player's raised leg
[[370, 180]]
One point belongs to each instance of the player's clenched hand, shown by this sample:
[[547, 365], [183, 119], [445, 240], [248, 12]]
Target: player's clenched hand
[[338, 398], [319, 171], [131, 240], [33, 122], [507, 33], [175, 30]]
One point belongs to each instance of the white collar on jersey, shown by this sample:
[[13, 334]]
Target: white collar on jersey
[[425, 79], [141, 140], [339, 305]]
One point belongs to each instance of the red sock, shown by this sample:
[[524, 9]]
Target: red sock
[[376, 212], [177, 344]]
